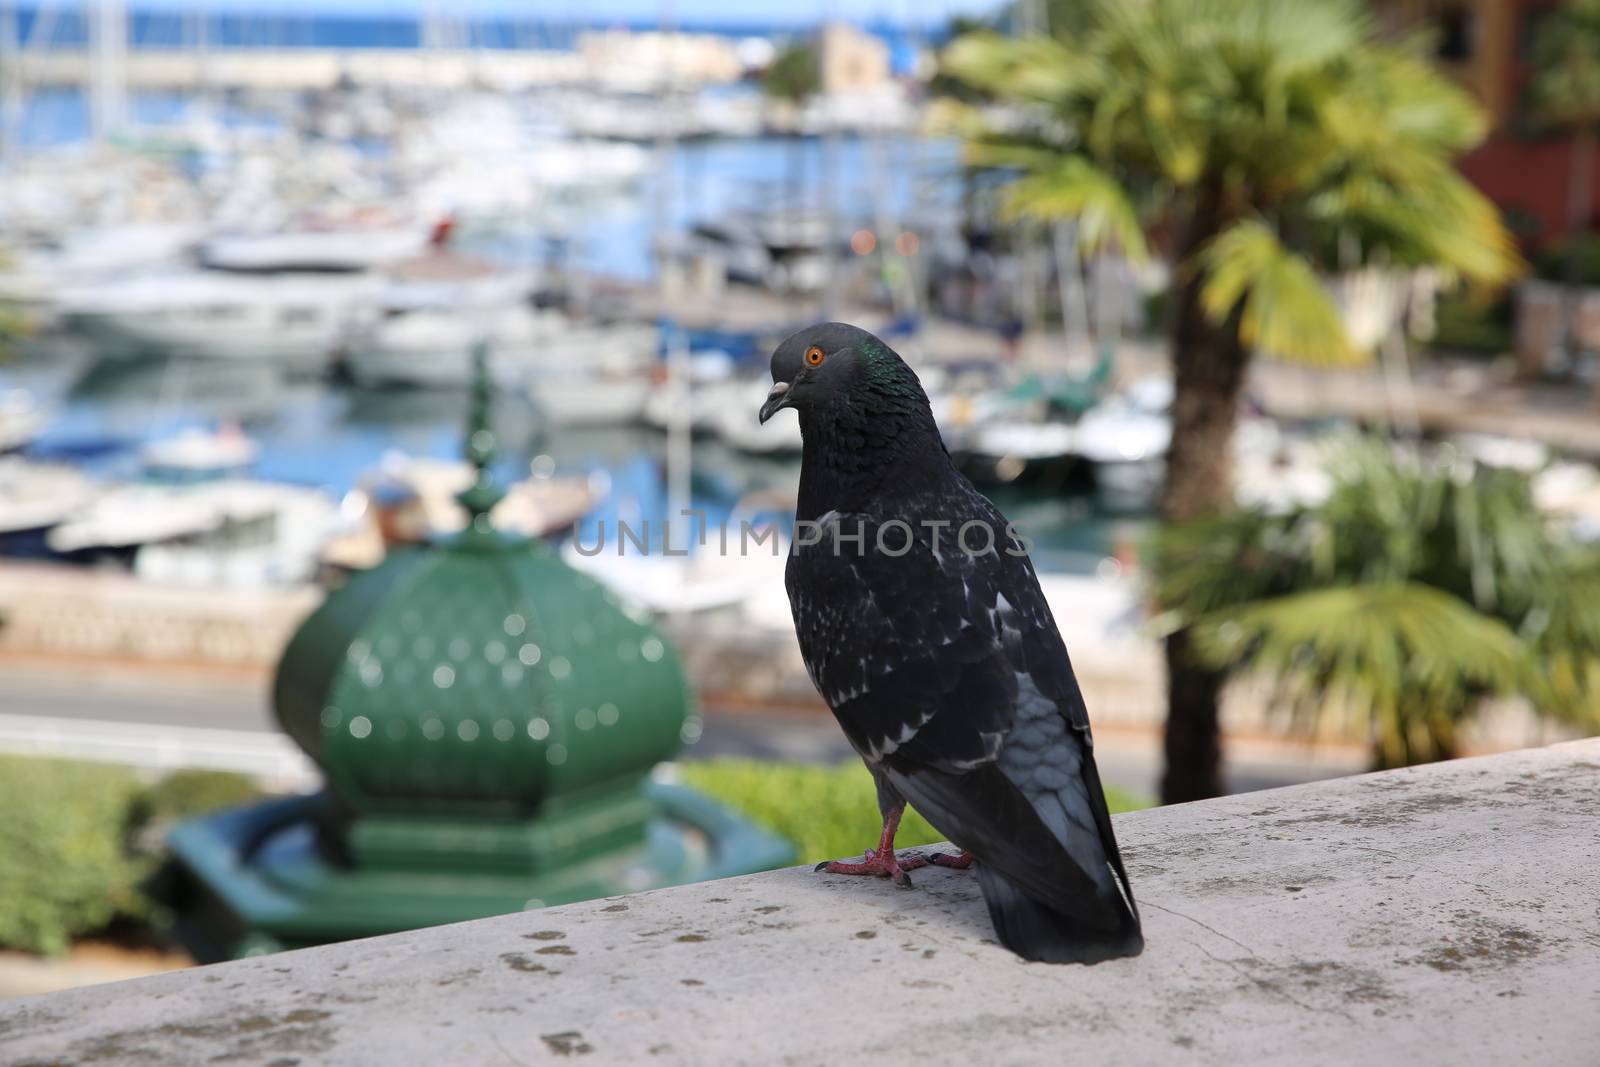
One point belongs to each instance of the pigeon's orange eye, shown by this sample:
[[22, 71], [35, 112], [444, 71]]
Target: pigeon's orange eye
[[814, 356]]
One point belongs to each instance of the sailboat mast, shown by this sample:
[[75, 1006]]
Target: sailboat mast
[[830, 174], [679, 446], [108, 41], [11, 87]]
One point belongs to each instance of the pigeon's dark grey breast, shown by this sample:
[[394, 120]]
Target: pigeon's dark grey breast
[[898, 625]]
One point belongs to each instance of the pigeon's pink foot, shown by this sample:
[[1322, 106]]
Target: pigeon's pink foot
[[882, 861], [959, 862], [883, 864]]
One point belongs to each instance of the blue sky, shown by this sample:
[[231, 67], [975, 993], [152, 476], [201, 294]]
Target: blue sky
[[799, 12]]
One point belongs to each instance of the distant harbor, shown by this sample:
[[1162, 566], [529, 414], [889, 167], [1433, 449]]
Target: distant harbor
[[246, 309]]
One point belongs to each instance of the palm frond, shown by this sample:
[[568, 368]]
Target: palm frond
[[1295, 107], [1563, 632], [1286, 311], [1323, 598], [1400, 655], [1074, 188], [1033, 69]]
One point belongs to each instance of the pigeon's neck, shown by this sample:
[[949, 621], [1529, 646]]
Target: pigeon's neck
[[861, 457]]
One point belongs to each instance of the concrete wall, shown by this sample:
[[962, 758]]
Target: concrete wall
[[1442, 914]]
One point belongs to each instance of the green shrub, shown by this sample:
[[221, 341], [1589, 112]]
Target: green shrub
[[186, 794], [65, 866], [71, 858], [827, 812], [1551, 264], [1466, 323]]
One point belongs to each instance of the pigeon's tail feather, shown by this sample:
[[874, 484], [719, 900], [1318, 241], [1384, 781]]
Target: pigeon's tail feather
[[1101, 927]]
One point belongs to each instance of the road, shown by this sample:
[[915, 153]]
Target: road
[[169, 704]]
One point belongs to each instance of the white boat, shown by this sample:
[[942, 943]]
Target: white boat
[[731, 415], [1278, 472], [485, 162], [36, 274], [683, 584], [432, 347], [1004, 451], [565, 398], [411, 498], [37, 496], [294, 321], [21, 419], [234, 533], [197, 454], [314, 251], [1125, 438], [709, 385], [1510, 453], [1570, 490], [780, 251]]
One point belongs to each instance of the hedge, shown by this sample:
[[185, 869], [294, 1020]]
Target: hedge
[[827, 812], [71, 862], [77, 840]]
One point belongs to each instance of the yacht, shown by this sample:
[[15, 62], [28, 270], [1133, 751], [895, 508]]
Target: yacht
[[1124, 438], [21, 419], [431, 346], [731, 416], [336, 251], [594, 374], [1040, 453], [295, 321], [234, 533], [408, 499], [35, 497], [780, 251], [568, 397], [197, 455], [33, 275]]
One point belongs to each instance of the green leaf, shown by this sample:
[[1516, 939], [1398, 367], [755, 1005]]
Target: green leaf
[[1075, 188], [1286, 311], [1394, 655], [1564, 89], [1295, 110]]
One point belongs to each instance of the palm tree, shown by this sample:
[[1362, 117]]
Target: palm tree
[[1564, 94], [1267, 141], [1422, 586]]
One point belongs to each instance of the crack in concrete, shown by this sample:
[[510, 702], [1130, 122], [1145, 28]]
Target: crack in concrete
[[1197, 922], [1272, 987]]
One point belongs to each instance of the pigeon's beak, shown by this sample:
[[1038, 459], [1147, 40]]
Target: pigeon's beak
[[776, 401]]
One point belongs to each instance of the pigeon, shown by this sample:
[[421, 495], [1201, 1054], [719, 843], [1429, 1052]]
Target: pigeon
[[922, 625]]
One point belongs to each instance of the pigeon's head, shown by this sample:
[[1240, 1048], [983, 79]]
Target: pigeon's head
[[834, 366]]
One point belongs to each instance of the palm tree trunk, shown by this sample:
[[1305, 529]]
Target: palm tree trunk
[[1209, 365]]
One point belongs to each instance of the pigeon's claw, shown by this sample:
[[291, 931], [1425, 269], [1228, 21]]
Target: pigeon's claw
[[884, 864], [959, 862]]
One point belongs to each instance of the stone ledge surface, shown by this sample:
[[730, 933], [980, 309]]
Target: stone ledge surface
[[1444, 914]]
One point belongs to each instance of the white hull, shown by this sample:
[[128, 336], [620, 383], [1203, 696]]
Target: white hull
[[424, 369], [37, 496], [585, 401], [293, 322]]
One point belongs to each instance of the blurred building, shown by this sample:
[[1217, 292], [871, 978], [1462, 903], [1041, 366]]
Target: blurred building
[[852, 61], [1485, 44], [644, 60]]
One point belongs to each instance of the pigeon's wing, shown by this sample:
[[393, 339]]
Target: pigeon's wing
[[945, 668], [897, 631]]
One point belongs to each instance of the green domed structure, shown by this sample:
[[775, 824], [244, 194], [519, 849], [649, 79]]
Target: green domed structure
[[487, 720]]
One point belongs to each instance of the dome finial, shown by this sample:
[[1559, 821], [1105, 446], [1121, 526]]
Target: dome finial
[[483, 494]]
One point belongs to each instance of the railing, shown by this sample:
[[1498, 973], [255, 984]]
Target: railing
[[1441, 914], [273, 758]]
